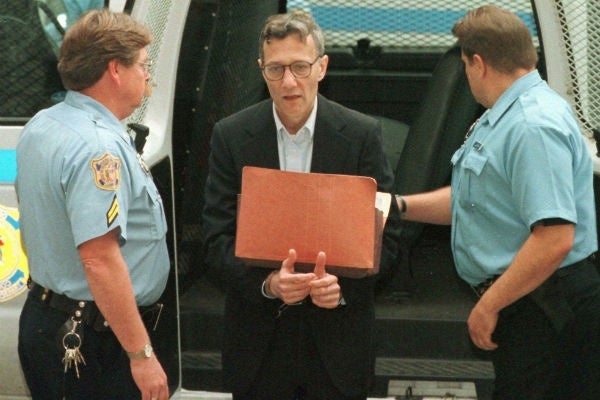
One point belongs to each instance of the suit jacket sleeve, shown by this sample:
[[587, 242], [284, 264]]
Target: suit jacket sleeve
[[231, 150]]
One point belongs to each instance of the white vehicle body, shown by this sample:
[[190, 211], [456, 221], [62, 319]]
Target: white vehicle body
[[568, 29]]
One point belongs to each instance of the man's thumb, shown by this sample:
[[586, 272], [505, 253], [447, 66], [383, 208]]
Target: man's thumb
[[320, 265], [288, 263]]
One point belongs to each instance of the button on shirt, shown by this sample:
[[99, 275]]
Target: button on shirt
[[295, 151], [526, 160], [78, 178]]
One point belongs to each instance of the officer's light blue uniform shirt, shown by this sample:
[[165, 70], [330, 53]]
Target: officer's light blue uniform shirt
[[78, 177], [526, 160]]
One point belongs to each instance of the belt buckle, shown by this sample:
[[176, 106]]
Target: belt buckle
[[483, 286]]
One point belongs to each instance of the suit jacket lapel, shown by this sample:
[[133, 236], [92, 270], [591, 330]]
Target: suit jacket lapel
[[259, 146], [329, 144]]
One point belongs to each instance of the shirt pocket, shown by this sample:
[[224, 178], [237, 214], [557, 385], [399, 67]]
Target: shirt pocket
[[157, 211], [471, 189]]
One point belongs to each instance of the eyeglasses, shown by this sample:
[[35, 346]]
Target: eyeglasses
[[146, 65], [300, 69]]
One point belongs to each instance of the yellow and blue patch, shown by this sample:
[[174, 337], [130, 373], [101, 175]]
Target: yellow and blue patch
[[14, 269]]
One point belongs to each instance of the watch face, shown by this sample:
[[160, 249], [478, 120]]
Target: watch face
[[148, 351]]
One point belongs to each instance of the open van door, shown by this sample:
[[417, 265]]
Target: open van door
[[30, 35], [151, 125]]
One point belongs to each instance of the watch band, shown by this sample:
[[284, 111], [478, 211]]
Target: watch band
[[402, 204], [264, 288], [146, 352]]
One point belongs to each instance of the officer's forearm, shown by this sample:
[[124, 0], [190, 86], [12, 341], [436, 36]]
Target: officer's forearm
[[430, 207], [110, 284]]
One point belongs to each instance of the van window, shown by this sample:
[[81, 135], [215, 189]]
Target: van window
[[30, 36], [412, 24], [58, 15], [382, 53]]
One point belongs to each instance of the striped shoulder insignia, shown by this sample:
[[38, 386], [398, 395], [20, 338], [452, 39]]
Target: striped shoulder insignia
[[113, 212], [107, 172]]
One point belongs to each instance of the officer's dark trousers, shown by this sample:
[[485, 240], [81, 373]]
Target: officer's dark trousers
[[549, 343], [105, 376]]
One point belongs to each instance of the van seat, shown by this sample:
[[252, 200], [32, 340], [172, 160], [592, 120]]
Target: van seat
[[438, 129], [394, 135]]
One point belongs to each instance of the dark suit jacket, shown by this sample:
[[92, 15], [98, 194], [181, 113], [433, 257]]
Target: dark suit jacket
[[345, 142]]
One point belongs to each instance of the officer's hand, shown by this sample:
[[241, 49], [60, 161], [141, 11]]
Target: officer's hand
[[150, 378], [482, 323], [289, 286]]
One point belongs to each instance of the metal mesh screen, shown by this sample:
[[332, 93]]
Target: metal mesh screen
[[408, 23], [156, 20], [28, 75], [580, 22]]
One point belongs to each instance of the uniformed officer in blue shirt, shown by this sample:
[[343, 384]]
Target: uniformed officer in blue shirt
[[521, 205], [92, 223]]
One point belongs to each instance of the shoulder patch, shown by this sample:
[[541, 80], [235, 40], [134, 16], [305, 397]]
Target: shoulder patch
[[112, 212], [107, 171]]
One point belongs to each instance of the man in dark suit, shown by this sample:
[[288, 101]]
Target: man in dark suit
[[293, 335]]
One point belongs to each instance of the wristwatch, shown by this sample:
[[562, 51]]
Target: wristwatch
[[146, 352]]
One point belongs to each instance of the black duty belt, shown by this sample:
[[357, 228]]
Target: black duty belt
[[564, 271], [88, 310], [484, 286]]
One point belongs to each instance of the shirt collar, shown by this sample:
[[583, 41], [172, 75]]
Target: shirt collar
[[511, 95], [97, 112], [309, 125]]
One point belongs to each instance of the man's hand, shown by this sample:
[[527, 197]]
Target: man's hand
[[287, 284], [325, 291], [150, 378], [482, 323]]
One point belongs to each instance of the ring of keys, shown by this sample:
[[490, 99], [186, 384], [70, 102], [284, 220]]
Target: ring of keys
[[72, 342]]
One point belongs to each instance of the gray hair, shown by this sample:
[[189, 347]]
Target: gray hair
[[297, 22]]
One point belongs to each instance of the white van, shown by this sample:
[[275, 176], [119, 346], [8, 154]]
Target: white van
[[388, 58]]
